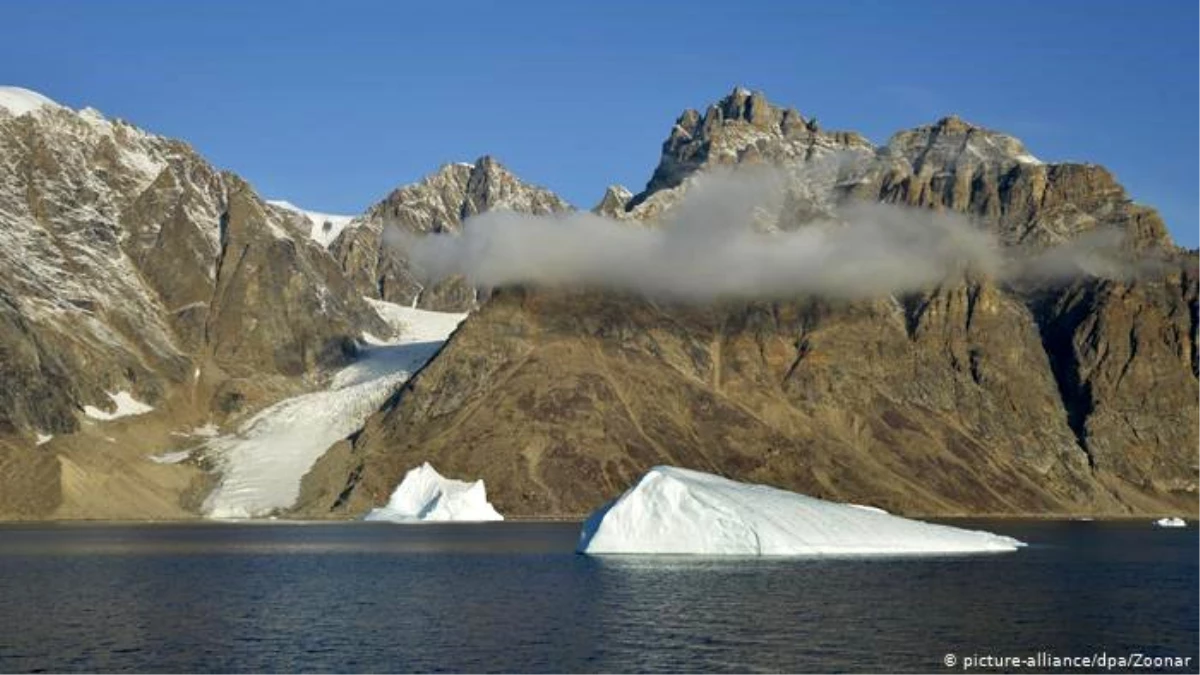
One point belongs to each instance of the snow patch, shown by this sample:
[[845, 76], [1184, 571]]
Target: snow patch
[[124, 402], [319, 232], [1026, 158], [19, 101], [209, 430], [170, 457], [263, 462], [43, 439], [425, 495], [679, 511], [1170, 522]]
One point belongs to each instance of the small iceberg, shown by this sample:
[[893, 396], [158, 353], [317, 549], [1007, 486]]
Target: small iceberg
[[679, 511], [424, 495], [1170, 522]]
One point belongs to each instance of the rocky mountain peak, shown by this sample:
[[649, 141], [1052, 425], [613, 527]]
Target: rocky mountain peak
[[439, 202], [612, 204], [742, 127], [953, 124], [952, 140], [753, 108], [950, 164]]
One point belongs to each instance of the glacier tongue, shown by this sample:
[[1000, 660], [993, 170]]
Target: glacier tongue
[[679, 511], [424, 495], [263, 463]]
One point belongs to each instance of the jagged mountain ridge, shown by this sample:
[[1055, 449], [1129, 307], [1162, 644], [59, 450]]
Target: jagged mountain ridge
[[438, 203], [975, 396], [950, 164]]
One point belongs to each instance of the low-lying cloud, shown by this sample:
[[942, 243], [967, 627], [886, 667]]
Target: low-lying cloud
[[725, 240]]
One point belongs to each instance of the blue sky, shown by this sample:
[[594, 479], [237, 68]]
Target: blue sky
[[332, 104]]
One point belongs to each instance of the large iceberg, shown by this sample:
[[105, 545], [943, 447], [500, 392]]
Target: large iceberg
[[677, 511], [424, 495]]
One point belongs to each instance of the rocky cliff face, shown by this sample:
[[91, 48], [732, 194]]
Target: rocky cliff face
[[438, 203], [131, 265], [957, 166], [975, 396]]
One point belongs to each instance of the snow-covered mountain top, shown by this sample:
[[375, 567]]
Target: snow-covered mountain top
[[325, 226], [18, 100]]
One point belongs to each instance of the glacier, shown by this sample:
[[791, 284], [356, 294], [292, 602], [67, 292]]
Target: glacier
[[679, 511], [425, 495], [264, 461]]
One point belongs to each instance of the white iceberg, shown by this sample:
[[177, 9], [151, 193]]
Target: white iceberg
[[424, 495], [678, 511], [1171, 522]]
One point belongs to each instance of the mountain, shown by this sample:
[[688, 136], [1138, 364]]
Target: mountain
[[161, 325], [979, 395], [142, 292], [440, 202]]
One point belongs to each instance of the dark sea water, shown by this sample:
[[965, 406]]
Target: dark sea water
[[513, 597]]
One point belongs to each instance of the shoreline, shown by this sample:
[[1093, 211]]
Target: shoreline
[[577, 519]]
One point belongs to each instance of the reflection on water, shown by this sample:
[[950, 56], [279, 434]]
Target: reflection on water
[[513, 597]]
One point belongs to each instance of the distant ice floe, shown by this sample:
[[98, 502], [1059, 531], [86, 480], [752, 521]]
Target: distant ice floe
[[679, 511], [1170, 522], [425, 495], [126, 406]]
